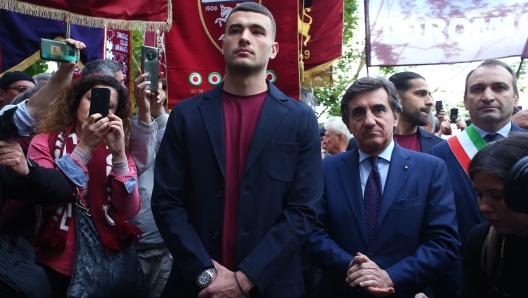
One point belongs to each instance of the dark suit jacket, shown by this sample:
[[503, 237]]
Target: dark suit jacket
[[416, 231], [427, 140], [280, 185], [468, 214]]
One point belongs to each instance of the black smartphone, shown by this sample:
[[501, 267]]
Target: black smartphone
[[150, 65], [100, 101], [454, 115], [53, 50], [438, 106]]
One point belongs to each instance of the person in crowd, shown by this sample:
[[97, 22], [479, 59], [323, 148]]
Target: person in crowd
[[41, 79], [12, 84], [238, 175], [490, 96], [494, 257], [146, 132], [429, 127], [105, 67], [443, 127], [521, 119], [416, 101], [386, 222], [92, 152], [336, 136]]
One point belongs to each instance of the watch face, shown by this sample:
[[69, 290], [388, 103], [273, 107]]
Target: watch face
[[204, 279]]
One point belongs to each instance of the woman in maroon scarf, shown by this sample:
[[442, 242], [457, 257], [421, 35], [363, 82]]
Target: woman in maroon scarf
[[92, 153]]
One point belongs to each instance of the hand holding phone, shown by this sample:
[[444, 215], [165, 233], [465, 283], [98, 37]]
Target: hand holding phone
[[454, 115], [100, 101], [61, 51], [150, 65], [439, 106]]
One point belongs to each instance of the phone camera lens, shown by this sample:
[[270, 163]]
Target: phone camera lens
[[71, 53], [151, 55]]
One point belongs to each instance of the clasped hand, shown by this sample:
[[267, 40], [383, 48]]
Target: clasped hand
[[368, 275], [110, 128]]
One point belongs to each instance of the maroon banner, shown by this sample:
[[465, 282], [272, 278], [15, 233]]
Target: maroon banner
[[320, 25], [403, 32], [118, 46], [118, 14], [195, 61]]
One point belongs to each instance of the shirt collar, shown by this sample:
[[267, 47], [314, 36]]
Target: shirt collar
[[386, 154], [504, 131]]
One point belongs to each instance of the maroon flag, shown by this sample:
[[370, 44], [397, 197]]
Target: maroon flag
[[118, 45], [320, 26], [195, 62], [118, 14]]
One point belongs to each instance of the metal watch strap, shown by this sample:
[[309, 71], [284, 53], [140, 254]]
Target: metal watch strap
[[204, 279]]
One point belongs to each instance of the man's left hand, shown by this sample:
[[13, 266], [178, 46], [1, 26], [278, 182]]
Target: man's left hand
[[368, 275], [224, 284]]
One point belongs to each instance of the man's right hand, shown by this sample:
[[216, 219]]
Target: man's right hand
[[461, 124], [223, 285], [11, 155]]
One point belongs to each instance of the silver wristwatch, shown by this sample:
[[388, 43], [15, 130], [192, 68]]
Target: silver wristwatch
[[204, 279]]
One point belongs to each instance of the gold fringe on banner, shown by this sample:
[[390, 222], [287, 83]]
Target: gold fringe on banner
[[94, 22], [34, 58], [320, 68], [322, 79]]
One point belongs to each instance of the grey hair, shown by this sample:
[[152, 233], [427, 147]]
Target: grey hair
[[366, 84], [307, 97], [102, 67], [336, 126], [25, 95], [41, 76]]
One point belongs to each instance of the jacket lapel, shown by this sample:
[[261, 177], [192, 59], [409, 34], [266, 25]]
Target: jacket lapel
[[213, 116], [351, 182], [399, 170], [273, 110]]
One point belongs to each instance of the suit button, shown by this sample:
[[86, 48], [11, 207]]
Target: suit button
[[370, 256], [219, 193], [216, 235]]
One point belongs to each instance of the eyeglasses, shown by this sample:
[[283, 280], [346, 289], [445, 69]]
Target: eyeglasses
[[20, 89]]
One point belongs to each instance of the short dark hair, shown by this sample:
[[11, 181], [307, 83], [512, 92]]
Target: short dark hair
[[402, 80], [498, 158], [493, 62], [102, 67], [367, 84], [255, 7]]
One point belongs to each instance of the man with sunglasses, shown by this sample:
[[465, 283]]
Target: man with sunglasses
[[12, 84]]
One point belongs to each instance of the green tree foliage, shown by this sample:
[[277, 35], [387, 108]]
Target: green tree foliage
[[347, 69], [40, 66]]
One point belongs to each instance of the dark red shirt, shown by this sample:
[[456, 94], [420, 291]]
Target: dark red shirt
[[241, 114], [411, 142]]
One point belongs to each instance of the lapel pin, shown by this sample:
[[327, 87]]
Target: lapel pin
[[405, 167]]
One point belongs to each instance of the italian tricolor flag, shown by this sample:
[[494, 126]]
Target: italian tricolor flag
[[465, 145]]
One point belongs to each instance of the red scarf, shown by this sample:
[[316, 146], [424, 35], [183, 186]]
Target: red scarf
[[116, 234]]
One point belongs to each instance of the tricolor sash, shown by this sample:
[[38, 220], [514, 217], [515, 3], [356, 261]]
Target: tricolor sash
[[465, 145]]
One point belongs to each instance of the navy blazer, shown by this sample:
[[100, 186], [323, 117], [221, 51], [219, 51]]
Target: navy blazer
[[416, 231], [468, 214], [427, 140], [279, 188]]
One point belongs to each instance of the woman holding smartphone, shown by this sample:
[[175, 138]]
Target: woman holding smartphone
[[91, 152]]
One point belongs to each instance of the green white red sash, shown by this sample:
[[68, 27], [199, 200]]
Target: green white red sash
[[465, 145]]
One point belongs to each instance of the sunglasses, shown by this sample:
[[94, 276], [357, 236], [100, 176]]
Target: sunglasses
[[20, 89]]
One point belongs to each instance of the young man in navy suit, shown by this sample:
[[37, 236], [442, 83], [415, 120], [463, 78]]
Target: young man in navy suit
[[386, 222], [238, 175]]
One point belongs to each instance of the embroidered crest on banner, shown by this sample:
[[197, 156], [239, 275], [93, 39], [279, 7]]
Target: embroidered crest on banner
[[213, 14]]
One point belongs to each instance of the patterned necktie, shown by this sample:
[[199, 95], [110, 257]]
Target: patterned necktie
[[372, 196], [492, 137]]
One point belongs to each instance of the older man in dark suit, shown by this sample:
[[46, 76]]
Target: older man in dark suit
[[238, 175], [386, 222]]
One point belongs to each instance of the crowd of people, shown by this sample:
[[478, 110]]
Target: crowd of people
[[239, 192]]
